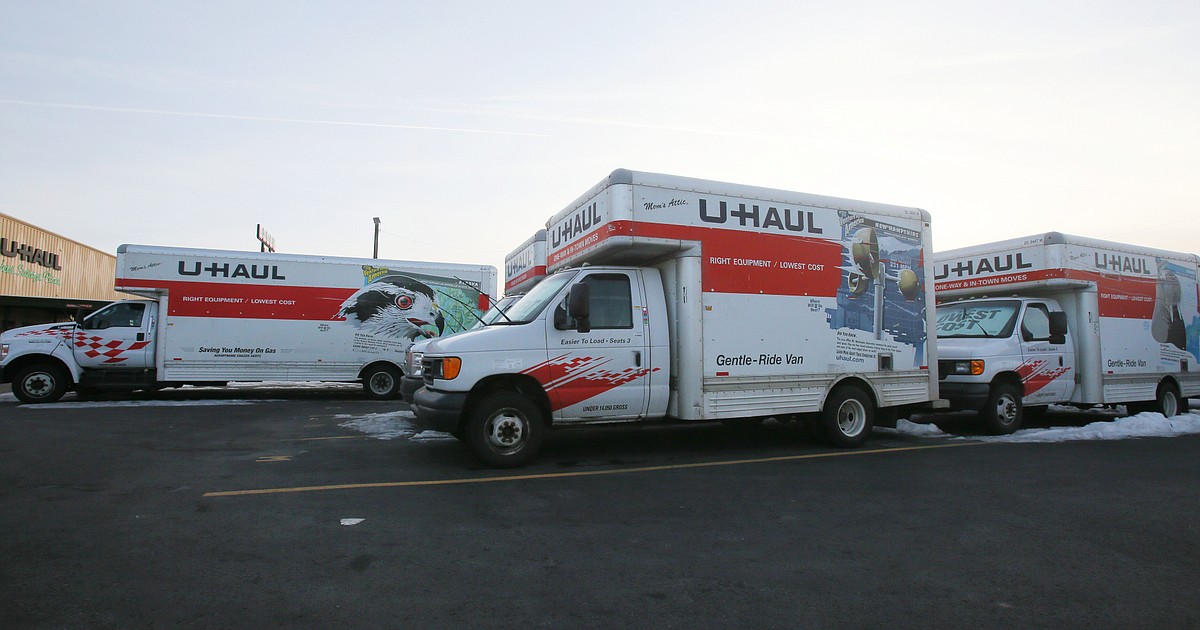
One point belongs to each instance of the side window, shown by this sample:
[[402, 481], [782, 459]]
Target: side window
[[611, 303], [122, 315], [1036, 325]]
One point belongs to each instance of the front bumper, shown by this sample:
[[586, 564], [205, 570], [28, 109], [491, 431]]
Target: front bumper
[[409, 386], [965, 396], [440, 411]]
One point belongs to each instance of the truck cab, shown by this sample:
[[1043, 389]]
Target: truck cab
[[112, 345], [1005, 357], [586, 345]]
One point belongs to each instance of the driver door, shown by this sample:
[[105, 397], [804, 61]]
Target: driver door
[[601, 374], [119, 335], [1048, 367]]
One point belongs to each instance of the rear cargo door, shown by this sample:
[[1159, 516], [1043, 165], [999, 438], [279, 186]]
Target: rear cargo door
[[601, 374], [1048, 367]]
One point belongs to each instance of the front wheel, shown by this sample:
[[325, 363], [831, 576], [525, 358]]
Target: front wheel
[[40, 383], [505, 430], [1002, 412], [381, 382], [848, 417]]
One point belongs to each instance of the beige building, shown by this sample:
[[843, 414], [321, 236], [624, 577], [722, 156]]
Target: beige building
[[47, 278]]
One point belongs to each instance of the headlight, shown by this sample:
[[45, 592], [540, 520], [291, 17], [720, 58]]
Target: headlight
[[445, 368], [414, 363], [3, 351], [974, 367]]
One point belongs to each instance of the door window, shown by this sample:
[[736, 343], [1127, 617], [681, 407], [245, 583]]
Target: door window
[[1036, 325], [120, 315], [610, 303]]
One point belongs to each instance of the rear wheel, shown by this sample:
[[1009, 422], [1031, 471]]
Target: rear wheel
[[505, 429], [381, 382], [848, 416], [40, 383], [1002, 412], [1167, 400]]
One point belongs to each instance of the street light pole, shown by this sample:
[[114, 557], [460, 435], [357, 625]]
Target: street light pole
[[376, 252]]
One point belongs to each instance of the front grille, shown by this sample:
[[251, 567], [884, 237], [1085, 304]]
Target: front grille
[[429, 369]]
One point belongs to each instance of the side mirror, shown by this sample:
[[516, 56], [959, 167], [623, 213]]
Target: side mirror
[[1058, 327], [79, 315], [579, 307], [1058, 324]]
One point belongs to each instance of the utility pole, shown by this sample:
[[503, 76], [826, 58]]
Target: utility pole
[[376, 251]]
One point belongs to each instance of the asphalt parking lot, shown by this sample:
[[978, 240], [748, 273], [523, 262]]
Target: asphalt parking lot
[[287, 508]]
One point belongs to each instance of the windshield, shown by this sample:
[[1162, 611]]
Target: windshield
[[978, 319], [529, 307]]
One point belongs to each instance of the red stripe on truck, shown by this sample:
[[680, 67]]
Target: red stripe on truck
[[739, 261], [248, 301]]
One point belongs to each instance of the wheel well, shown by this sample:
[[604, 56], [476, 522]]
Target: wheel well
[[856, 382], [30, 359], [1170, 380], [1009, 378], [370, 366], [522, 384]]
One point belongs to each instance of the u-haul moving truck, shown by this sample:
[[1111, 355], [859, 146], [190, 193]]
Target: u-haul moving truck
[[217, 316], [1059, 319], [524, 267], [696, 300]]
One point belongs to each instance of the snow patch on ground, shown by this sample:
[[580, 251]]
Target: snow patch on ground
[[914, 429], [1146, 424], [390, 426], [284, 385]]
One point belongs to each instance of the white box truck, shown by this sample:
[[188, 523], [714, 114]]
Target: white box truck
[[217, 316], [1060, 319], [696, 300], [524, 267]]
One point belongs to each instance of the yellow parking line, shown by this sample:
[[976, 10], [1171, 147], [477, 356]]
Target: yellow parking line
[[582, 473]]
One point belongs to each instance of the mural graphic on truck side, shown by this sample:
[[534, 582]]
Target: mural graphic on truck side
[[882, 292]]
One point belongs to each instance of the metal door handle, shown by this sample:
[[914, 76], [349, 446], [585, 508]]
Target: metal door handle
[[637, 358]]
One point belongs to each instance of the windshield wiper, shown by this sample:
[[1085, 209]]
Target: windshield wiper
[[490, 300]]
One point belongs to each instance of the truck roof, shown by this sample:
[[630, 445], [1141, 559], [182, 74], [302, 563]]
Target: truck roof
[[713, 187], [278, 257], [1059, 238]]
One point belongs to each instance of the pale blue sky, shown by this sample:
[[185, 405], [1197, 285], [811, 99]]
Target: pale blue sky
[[464, 126]]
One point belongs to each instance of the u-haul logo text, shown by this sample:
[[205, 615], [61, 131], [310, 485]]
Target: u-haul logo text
[[978, 266], [575, 225], [1122, 264], [226, 270], [786, 219]]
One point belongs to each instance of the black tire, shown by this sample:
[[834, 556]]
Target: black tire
[[1167, 400], [1002, 413], [505, 430], [40, 383], [381, 382], [848, 416]]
